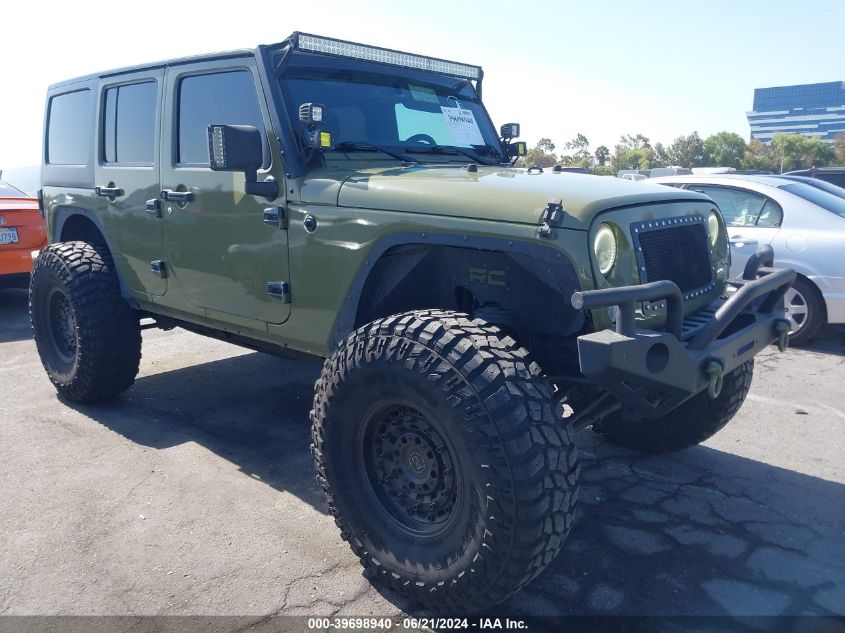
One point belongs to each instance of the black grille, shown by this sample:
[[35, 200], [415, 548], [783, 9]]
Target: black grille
[[677, 253]]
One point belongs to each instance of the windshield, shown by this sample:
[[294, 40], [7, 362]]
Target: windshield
[[818, 197], [421, 114]]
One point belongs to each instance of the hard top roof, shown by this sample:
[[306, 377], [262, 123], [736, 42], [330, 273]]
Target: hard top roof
[[294, 39], [159, 64]]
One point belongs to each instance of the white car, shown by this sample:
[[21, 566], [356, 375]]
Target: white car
[[805, 226]]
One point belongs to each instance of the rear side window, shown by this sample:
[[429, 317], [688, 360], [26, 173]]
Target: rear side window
[[226, 98], [129, 124], [818, 197], [8, 191], [69, 128]]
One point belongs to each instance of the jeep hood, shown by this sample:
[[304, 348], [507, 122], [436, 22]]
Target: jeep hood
[[492, 193]]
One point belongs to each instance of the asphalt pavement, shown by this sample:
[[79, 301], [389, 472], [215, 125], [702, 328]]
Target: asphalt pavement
[[194, 493]]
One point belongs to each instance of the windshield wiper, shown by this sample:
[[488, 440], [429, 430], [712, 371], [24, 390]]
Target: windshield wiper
[[446, 149], [347, 146]]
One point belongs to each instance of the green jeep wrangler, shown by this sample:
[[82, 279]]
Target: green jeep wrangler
[[324, 198]]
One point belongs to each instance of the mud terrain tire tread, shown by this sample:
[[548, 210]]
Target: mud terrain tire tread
[[532, 462], [108, 351]]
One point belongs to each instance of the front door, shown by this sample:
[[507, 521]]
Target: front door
[[220, 252], [127, 175], [752, 220]]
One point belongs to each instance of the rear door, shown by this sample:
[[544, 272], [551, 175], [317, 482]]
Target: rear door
[[752, 220], [127, 175], [220, 252]]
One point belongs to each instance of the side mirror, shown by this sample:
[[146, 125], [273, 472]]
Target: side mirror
[[240, 148], [509, 131], [516, 150]]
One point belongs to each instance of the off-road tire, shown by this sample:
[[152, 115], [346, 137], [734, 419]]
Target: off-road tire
[[696, 420], [515, 466], [95, 353], [816, 313]]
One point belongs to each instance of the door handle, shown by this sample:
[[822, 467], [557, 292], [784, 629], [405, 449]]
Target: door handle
[[108, 192], [739, 240], [177, 196]]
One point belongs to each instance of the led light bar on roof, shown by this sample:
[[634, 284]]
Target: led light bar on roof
[[341, 48]]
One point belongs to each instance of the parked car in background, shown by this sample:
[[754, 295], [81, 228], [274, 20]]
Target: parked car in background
[[672, 170], [805, 225], [834, 175], [824, 185], [22, 230], [26, 178], [632, 174]]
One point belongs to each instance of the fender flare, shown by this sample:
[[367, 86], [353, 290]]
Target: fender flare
[[557, 262], [60, 218]]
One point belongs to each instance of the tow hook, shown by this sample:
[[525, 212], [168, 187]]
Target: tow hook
[[714, 370], [782, 328]]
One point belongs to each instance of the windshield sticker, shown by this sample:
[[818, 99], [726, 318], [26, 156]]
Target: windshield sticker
[[462, 125], [423, 94]]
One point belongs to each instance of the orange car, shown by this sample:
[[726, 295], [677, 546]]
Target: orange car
[[22, 230]]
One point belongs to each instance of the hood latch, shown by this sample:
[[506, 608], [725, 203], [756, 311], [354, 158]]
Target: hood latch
[[552, 217]]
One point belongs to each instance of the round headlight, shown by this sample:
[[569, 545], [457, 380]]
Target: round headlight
[[713, 227], [604, 247]]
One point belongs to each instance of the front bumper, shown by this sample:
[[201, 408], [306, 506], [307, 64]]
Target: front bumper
[[651, 372]]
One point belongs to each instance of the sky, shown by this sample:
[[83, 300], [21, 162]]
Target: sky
[[603, 69]]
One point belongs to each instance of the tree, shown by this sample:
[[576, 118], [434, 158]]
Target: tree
[[602, 155], [758, 156], [602, 170], [634, 142], [661, 158], [686, 151], [724, 149], [839, 148], [542, 154], [795, 151], [632, 152], [580, 156]]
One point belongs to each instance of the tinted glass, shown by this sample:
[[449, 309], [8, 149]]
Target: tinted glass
[[836, 179], [221, 98], [8, 191], [109, 122], [739, 207], [68, 128], [130, 117], [839, 192], [821, 198], [771, 215], [393, 111]]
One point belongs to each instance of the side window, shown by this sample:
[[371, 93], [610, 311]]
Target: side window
[[771, 215], [227, 98], [129, 124], [69, 128], [738, 206]]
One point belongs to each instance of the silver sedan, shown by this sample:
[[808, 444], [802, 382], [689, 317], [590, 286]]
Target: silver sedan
[[805, 226]]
